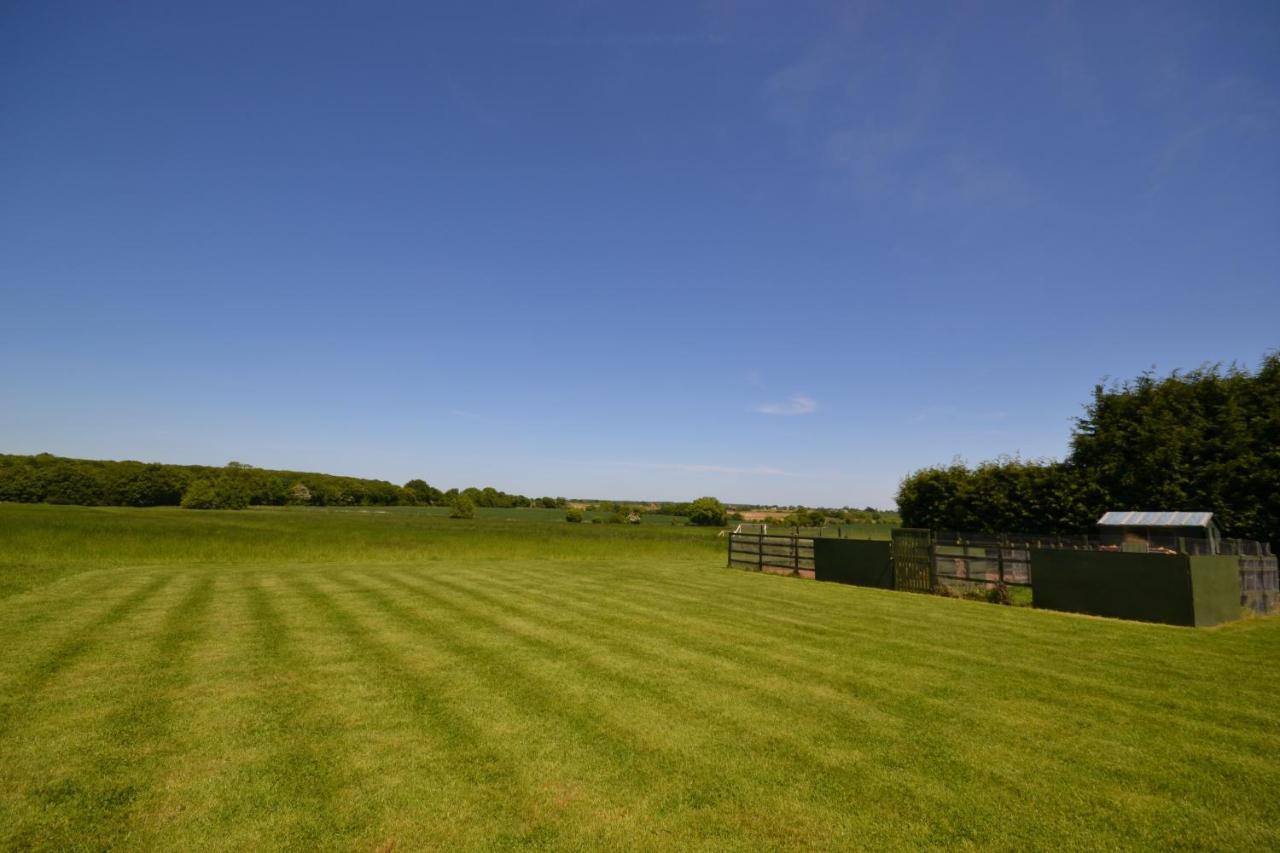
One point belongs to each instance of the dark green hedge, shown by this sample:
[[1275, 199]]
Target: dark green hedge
[[1204, 440]]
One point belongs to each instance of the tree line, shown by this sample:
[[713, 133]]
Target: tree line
[[45, 478], [1206, 440]]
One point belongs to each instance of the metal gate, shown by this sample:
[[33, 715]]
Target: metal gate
[[912, 552]]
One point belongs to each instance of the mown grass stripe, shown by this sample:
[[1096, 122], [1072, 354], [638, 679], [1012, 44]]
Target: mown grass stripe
[[493, 787], [673, 682], [650, 752], [601, 736], [18, 694], [304, 745], [832, 773], [1113, 720], [1008, 652], [110, 792], [805, 605]]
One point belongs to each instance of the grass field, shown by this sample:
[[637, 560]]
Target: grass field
[[268, 679]]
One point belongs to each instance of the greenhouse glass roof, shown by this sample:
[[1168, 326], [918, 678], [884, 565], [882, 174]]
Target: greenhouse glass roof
[[1156, 519]]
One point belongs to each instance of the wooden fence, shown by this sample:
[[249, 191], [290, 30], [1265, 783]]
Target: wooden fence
[[1260, 582], [766, 552], [968, 559]]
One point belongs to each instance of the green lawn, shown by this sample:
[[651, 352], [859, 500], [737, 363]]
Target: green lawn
[[266, 679]]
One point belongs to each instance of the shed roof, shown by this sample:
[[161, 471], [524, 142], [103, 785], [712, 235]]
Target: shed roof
[[1156, 519]]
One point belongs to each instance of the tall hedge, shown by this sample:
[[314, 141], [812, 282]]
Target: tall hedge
[[1208, 439]]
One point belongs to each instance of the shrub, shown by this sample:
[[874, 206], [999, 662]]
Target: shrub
[[999, 594], [574, 516], [463, 507], [806, 518], [707, 512]]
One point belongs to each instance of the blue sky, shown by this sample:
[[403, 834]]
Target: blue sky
[[770, 252]]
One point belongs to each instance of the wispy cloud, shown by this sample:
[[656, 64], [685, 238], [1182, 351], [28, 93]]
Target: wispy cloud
[[1234, 114], [831, 103], [759, 470], [797, 404]]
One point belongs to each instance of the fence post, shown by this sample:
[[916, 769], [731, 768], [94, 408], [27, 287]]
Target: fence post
[[933, 562], [760, 552], [795, 554], [730, 554], [1000, 543]]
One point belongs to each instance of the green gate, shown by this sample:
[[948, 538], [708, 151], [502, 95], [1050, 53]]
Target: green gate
[[912, 552]]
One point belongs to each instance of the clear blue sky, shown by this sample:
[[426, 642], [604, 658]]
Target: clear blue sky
[[771, 252]]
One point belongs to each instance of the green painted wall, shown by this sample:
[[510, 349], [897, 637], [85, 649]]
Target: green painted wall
[[857, 561], [1215, 589], [1143, 587]]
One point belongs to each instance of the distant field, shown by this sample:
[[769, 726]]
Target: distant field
[[846, 531], [398, 681], [511, 514]]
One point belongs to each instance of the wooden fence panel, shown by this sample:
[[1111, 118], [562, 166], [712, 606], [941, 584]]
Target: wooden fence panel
[[766, 552]]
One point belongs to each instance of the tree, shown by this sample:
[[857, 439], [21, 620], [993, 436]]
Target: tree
[[463, 507], [422, 493], [233, 489], [135, 484], [199, 495], [67, 483], [573, 516], [707, 512]]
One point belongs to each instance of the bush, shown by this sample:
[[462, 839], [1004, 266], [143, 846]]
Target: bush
[[463, 507], [573, 516], [999, 594], [806, 518], [707, 512]]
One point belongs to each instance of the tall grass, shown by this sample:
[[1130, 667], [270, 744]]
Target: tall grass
[[40, 543]]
